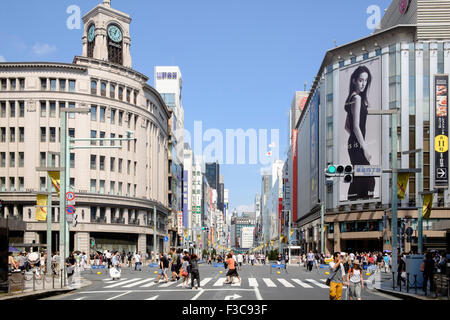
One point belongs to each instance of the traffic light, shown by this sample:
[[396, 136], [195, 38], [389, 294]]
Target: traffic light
[[342, 171]]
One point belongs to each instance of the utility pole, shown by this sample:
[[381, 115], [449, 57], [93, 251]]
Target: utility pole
[[154, 233]]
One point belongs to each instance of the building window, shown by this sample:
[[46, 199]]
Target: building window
[[3, 134], [2, 184], [72, 160], [12, 134], [21, 184], [120, 117], [21, 134], [135, 168], [112, 91], [72, 133], [102, 114], [129, 120], [93, 162], [120, 93], [94, 87], [21, 109], [43, 183], [113, 116], [53, 84], [102, 186], [52, 109], [12, 109], [128, 95], [128, 189], [13, 84], [43, 134], [120, 166], [72, 183], [22, 84], [113, 136], [93, 113], [12, 159], [43, 84], [62, 84], [103, 89], [52, 134], [102, 136], [3, 159], [72, 85], [43, 109], [136, 93], [93, 186], [21, 159], [12, 184], [119, 189], [112, 164], [71, 106], [93, 136], [3, 84], [43, 156], [112, 187], [135, 191], [128, 167], [3, 109], [102, 163]]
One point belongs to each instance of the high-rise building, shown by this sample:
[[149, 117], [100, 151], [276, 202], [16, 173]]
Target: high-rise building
[[213, 174]]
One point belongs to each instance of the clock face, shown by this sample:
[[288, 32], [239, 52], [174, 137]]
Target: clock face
[[91, 33], [114, 33]]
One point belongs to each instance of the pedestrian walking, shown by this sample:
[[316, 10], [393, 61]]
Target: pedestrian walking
[[137, 261], [427, 268], [174, 258], [185, 271], [240, 259], [310, 260], [108, 258], [336, 277], [232, 272], [70, 265], [355, 281], [163, 266], [401, 270], [195, 275]]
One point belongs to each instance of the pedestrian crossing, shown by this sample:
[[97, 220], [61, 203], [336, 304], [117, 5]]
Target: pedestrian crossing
[[213, 283]]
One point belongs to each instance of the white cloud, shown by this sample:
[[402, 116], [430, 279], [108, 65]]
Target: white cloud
[[43, 49], [2, 59]]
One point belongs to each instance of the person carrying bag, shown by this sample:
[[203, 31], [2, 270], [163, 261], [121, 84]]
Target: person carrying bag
[[336, 277]]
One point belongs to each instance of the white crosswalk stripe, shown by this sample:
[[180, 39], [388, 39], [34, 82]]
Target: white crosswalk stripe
[[220, 282], [168, 284], [121, 283], [304, 285], [205, 281], [286, 283], [269, 283], [138, 283], [148, 285], [153, 298], [317, 283], [110, 281], [252, 282]]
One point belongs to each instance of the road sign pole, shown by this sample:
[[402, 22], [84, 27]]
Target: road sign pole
[[394, 222], [420, 206], [49, 218], [154, 233], [67, 158], [62, 195]]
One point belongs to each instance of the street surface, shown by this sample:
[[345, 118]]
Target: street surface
[[258, 283]]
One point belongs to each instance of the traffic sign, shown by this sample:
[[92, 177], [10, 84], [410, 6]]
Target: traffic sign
[[409, 231], [166, 239], [70, 196], [70, 210]]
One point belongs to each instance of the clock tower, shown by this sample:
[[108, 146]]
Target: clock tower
[[107, 35]]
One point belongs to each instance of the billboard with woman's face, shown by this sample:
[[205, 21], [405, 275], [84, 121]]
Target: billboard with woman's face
[[359, 133]]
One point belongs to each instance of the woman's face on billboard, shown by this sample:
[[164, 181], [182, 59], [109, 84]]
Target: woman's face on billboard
[[361, 82]]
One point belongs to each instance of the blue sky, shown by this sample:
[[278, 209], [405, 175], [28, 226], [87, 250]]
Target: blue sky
[[241, 61]]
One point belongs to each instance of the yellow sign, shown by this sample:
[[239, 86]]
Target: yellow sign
[[427, 205], [54, 176], [441, 144], [402, 184], [41, 212]]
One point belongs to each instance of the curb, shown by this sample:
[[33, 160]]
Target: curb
[[43, 294], [403, 295]]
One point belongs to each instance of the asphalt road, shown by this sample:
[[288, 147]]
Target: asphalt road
[[258, 283]]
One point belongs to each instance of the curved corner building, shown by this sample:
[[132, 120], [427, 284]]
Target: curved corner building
[[117, 190]]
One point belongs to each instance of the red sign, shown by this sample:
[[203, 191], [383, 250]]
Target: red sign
[[302, 103], [403, 6], [70, 196], [294, 178]]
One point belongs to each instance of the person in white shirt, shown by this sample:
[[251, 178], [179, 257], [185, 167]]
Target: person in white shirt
[[108, 258], [137, 261], [355, 281], [240, 260], [252, 259]]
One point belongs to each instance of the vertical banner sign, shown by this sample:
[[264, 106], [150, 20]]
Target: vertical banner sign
[[294, 178], [41, 212], [441, 131], [180, 223], [54, 176]]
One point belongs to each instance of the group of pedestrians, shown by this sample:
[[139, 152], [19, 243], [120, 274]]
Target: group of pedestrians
[[241, 259]]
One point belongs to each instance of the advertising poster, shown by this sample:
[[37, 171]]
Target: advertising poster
[[441, 131], [359, 133], [314, 127]]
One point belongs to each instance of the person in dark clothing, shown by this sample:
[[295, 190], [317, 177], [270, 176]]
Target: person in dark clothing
[[195, 275], [428, 272], [401, 267]]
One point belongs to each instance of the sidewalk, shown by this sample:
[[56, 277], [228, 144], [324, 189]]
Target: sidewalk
[[386, 286], [30, 294]]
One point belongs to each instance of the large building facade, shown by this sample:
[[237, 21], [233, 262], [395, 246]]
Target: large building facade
[[403, 65], [117, 190]]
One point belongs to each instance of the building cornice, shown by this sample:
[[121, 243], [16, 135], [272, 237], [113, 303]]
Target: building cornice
[[42, 65]]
